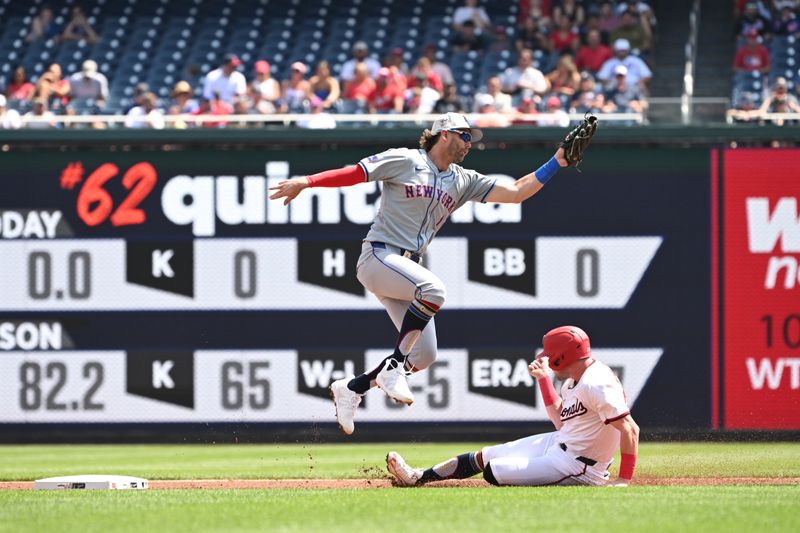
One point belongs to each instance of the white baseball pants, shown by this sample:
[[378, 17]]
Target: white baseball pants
[[396, 281], [539, 460]]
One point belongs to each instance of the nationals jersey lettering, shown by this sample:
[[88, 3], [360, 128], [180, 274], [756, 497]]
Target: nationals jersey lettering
[[587, 410], [573, 411], [417, 198]]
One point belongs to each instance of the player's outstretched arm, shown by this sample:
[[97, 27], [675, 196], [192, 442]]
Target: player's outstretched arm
[[528, 185], [628, 447], [341, 177], [552, 401], [288, 189]]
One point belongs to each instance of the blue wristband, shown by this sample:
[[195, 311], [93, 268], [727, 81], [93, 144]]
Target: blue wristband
[[547, 171]]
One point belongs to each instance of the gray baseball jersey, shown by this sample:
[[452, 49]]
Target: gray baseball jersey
[[417, 198]]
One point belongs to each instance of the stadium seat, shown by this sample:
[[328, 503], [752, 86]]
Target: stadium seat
[[162, 41]]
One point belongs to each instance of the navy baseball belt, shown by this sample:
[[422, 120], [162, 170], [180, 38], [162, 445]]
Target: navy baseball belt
[[580, 458], [405, 253]]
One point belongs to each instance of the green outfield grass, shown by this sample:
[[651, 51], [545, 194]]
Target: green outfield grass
[[244, 461], [653, 508]]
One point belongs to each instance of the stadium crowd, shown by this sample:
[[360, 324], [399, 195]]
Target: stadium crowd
[[765, 68], [569, 56]]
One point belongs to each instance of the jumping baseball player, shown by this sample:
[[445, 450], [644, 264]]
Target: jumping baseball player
[[591, 417], [421, 188]]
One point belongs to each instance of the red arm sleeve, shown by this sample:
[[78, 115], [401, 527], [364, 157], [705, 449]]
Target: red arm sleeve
[[341, 177], [549, 394]]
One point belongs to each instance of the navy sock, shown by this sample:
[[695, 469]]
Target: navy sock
[[461, 467], [361, 384], [416, 318], [429, 475]]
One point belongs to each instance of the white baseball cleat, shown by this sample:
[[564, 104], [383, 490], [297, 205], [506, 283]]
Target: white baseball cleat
[[403, 474], [346, 402], [392, 379]]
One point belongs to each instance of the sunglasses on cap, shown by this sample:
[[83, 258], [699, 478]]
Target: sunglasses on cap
[[465, 135]]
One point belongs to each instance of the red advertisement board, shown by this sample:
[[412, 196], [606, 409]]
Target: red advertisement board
[[760, 288]]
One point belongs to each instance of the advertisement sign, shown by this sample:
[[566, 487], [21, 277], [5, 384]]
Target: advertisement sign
[[761, 289]]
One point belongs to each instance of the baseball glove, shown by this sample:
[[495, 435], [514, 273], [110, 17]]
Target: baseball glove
[[577, 140]]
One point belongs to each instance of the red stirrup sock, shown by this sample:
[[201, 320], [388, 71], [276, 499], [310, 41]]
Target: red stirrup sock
[[627, 465]]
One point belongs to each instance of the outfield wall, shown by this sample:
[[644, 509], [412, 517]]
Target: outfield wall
[[147, 287]]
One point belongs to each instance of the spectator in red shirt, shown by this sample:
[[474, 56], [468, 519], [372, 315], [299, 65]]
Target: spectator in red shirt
[[361, 86], [388, 94], [527, 106], [535, 9], [20, 88], [753, 56], [217, 107], [564, 37], [424, 66], [52, 87], [593, 54]]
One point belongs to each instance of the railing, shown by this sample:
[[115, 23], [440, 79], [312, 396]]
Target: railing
[[289, 119], [695, 100], [755, 116], [688, 72]]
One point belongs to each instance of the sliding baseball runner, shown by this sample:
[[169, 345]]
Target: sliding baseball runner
[[421, 188], [591, 417]]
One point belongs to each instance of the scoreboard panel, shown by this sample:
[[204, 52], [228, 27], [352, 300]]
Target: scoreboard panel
[[147, 287]]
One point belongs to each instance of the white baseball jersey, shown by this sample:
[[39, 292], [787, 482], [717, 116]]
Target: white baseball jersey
[[417, 198], [588, 408], [560, 457]]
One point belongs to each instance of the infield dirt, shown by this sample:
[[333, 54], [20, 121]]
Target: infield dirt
[[385, 483]]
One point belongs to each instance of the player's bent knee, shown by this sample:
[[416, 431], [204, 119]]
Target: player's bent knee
[[433, 294], [488, 475]]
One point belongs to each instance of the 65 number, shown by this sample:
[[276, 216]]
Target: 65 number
[[254, 389]]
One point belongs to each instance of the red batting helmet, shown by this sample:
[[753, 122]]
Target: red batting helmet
[[565, 345]]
